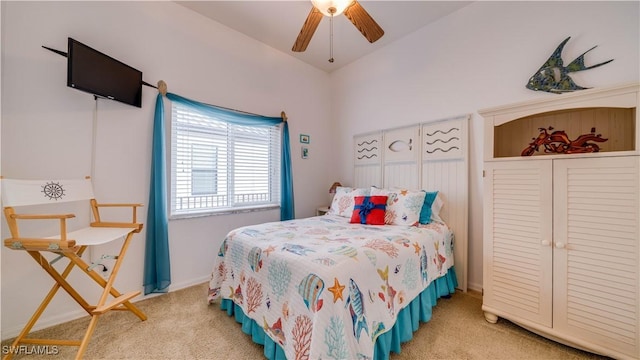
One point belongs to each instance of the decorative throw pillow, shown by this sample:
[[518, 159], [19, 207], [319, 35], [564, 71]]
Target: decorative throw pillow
[[369, 210], [427, 207], [437, 205], [343, 200], [403, 206]]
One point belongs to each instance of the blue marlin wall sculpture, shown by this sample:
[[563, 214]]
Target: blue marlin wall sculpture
[[553, 76]]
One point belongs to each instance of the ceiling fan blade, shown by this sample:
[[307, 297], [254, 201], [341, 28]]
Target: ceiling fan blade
[[364, 22], [308, 28]]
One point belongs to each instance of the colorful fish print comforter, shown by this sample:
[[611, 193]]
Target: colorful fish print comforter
[[323, 288]]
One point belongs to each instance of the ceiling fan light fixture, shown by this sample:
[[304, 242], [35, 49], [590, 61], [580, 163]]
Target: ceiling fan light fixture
[[352, 9], [331, 7]]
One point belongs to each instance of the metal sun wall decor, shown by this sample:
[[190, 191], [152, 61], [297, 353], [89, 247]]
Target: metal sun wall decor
[[553, 75], [557, 142]]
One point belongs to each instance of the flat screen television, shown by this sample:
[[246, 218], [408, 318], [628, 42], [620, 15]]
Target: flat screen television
[[91, 71]]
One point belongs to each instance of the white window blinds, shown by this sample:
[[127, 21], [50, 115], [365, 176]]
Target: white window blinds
[[220, 167]]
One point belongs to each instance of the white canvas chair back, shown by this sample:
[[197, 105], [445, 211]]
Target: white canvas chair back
[[69, 245], [36, 192]]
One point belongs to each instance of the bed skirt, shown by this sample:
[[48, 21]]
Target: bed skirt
[[408, 321]]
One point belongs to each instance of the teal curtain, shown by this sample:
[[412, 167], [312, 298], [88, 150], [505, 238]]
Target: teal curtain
[[157, 268], [287, 211]]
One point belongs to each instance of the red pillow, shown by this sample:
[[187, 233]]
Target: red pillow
[[369, 210]]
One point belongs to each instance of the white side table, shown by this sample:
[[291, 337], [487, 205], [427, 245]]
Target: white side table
[[322, 210]]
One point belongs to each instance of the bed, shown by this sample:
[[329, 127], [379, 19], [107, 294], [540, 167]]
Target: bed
[[336, 286]]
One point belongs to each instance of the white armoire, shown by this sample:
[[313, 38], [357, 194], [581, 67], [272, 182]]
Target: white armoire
[[561, 230]]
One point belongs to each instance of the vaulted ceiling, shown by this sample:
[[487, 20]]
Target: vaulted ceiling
[[278, 23]]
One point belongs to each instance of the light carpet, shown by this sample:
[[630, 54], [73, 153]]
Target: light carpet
[[181, 325]]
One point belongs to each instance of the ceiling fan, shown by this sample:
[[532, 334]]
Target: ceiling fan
[[352, 10]]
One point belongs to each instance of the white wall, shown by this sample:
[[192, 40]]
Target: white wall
[[480, 56], [47, 127]]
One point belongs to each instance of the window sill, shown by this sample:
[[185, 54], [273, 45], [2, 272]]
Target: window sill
[[223, 212]]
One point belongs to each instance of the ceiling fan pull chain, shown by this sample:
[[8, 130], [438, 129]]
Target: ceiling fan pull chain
[[331, 38]]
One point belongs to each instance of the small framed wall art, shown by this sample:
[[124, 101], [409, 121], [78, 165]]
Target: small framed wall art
[[304, 152], [305, 139]]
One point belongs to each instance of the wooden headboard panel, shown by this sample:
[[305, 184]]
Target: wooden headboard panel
[[428, 156]]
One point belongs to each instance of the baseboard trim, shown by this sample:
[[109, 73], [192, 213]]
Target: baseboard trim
[[474, 287], [46, 322]]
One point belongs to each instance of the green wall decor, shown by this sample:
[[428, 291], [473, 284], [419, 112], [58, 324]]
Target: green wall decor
[[554, 77]]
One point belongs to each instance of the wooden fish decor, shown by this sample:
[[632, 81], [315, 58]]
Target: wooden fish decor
[[553, 76]]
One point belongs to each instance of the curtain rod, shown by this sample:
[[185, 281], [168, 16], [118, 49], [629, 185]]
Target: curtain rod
[[162, 87], [147, 84]]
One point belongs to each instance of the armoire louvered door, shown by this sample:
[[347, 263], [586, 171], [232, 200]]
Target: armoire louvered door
[[596, 250], [518, 260], [587, 222]]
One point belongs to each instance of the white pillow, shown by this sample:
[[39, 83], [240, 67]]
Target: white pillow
[[403, 206], [437, 205], [343, 201]]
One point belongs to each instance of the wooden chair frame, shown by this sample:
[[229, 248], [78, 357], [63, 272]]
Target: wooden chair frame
[[68, 248]]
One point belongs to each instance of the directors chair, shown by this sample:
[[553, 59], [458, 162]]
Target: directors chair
[[44, 195]]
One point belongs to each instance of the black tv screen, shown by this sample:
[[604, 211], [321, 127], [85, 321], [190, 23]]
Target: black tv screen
[[96, 73]]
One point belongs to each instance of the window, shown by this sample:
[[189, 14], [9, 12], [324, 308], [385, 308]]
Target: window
[[217, 166], [204, 169]]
